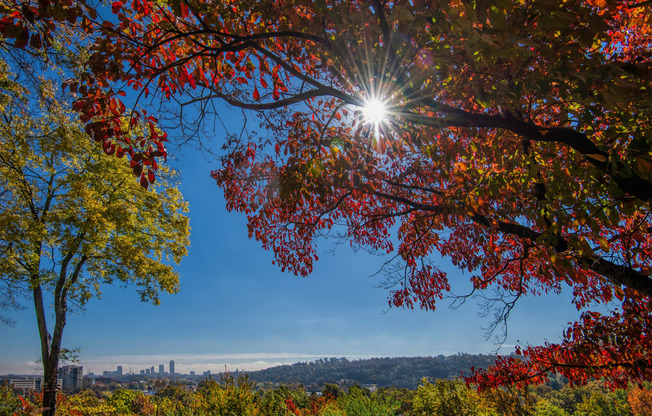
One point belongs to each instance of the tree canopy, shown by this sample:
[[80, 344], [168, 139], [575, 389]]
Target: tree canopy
[[516, 142], [71, 217]]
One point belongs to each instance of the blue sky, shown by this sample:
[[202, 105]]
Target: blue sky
[[237, 310]]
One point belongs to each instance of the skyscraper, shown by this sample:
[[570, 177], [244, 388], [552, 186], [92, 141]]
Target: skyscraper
[[161, 370], [71, 377], [119, 372], [171, 368]]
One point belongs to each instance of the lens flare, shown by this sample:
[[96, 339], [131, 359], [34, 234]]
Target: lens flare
[[374, 111]]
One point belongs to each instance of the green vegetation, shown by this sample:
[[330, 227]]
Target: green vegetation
[[238, 396]]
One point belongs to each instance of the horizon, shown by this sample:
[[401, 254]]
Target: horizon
[[247, 363]]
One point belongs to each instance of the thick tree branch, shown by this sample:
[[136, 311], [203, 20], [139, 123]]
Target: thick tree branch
[[580, 142], [41, 321], [617, 274], [263, 106]]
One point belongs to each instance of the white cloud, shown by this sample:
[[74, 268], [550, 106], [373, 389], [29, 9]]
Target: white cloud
[[27, 368]]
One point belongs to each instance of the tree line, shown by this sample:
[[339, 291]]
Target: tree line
[[402, 372], [237, 395]]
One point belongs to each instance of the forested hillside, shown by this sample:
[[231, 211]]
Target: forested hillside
[[384, 372]]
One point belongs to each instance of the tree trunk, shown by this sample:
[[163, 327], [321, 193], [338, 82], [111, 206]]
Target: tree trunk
[[51, 345], [50, 387], [50, 350]]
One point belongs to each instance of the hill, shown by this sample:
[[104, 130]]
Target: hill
[[404, 372]]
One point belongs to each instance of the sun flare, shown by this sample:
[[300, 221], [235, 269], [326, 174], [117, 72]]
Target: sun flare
[[374, 111]]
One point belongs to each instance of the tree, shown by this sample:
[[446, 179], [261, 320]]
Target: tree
[[72, 218], [233, 396], [640, 400], [445, 398], [10, 403], [128, 402], [84, 403], [516, 141], [509, 400], [545, 408]]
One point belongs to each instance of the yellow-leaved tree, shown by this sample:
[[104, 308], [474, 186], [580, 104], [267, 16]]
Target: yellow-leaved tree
[[72, 218]]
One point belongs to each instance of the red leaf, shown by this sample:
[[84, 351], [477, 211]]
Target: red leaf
[[116, 6], [22, 38], [35, 41], [256, 94]]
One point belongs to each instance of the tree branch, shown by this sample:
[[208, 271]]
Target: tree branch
[[263, 106], [619, 275], [580, 142]]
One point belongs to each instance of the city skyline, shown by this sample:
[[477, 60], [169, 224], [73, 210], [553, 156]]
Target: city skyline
[[246, 362]]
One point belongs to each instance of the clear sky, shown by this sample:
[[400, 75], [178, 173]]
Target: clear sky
[[237, 310]]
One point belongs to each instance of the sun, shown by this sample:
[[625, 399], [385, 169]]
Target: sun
[[374, 111]]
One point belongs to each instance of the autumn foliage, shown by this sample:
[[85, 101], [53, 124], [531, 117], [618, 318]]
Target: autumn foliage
[[436, 397], [518, 143]]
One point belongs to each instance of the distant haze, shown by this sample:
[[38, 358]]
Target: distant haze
[[184, 363]]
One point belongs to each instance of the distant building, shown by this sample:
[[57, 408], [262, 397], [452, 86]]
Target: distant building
[[161, 370], [103, 381], [71, 377], [119, 371], [26, 383], [207, 373], [142, 372], [371, 387], [171, 367], [192, 373], [151, 370]]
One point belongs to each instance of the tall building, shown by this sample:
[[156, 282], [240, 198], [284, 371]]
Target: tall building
[[161, 370], [152, 370], [119, 372], [171, 367], [71, 377]]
